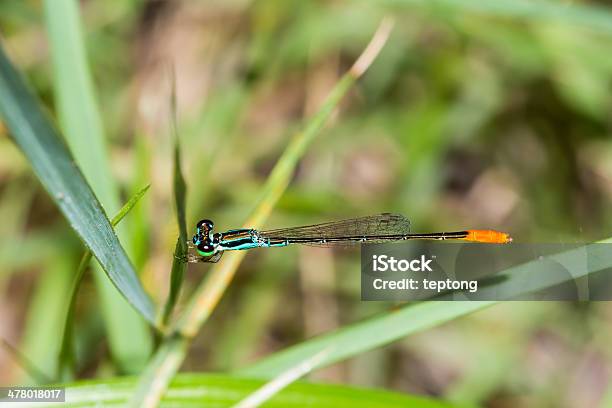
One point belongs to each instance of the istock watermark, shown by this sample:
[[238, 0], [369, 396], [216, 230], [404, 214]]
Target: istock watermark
[[451, 271], [383, 263]]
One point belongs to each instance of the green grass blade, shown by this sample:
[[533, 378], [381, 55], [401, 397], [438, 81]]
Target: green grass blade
[[180, 251], [129, 338], [127, 207], [598, 19], [65, 358], [55, 168], [212, 390]]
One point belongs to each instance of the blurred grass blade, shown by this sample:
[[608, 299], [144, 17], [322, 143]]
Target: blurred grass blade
[[180, 251], [364, 336], [140, 230], [214, 390], [25, 363], [394, 325], [65, 358], [76, 106], [129, 338], [273, 387], [593, 17], [41, 340], [55, 168], [165, 364]]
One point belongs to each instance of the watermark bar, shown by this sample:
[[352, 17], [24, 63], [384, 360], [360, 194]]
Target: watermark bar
[[32, 394], [451, 271]]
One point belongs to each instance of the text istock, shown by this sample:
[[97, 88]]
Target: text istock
[[471, 271]]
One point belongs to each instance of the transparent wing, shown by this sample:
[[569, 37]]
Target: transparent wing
[[374, 228]]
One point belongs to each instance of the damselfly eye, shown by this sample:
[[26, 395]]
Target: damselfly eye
[[195, 240], [205, 225]]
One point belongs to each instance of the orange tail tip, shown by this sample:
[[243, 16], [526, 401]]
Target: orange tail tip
[[488, 236]]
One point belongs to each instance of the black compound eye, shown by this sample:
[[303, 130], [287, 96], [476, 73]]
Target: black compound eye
[[205, 225]]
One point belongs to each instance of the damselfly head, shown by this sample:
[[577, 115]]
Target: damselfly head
[[205, 226], [203, 233]]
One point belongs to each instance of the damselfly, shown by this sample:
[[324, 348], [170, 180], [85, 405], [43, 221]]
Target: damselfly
[[371, 229]]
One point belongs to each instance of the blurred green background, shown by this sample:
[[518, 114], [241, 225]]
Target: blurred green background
[[468, 119]]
